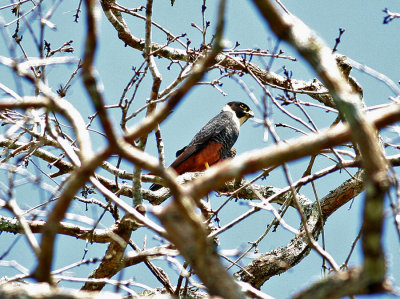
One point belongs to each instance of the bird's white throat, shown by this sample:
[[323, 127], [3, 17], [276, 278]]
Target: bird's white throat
[[237, 121]]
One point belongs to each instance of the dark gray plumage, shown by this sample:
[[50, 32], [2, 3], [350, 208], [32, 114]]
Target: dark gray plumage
[[213, 142]]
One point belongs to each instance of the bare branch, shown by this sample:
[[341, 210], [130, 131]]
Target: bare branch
[[363, 133]]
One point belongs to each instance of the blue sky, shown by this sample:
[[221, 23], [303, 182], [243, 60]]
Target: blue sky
[[366, 40]]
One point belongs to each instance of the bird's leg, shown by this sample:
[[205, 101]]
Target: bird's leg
[[237, 182]]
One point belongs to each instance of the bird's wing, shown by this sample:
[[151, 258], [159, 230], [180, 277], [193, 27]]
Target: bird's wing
[[183, 156], [180, 151], [214, 127]]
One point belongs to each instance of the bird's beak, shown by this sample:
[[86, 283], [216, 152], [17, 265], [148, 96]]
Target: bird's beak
[[249, 114]]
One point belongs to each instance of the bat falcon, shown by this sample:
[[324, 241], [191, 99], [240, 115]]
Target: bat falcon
[[213, 142]]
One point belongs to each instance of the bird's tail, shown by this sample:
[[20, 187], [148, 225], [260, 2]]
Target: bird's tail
[[155, 187]]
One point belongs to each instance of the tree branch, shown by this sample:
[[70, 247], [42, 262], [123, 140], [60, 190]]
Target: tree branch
[[363, 134]]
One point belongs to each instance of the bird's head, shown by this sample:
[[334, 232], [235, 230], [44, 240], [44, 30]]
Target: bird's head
[[241, 110]]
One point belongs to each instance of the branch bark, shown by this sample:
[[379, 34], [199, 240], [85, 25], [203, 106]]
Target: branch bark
[[364, 135]]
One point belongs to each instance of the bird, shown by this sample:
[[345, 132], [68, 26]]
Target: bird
[[214, 142]]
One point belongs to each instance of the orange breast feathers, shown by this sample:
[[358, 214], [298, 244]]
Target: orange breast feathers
[[197, 161]]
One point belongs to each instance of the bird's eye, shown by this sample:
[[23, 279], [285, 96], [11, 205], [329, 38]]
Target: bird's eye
[[243, 107]]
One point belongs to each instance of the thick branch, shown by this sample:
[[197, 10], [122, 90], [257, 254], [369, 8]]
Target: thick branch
[[77, 178], [109, 266], [308, 44], [284, 152], [284, 258], [318, 91], [88, 73], [93, 235], [187, 232]]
